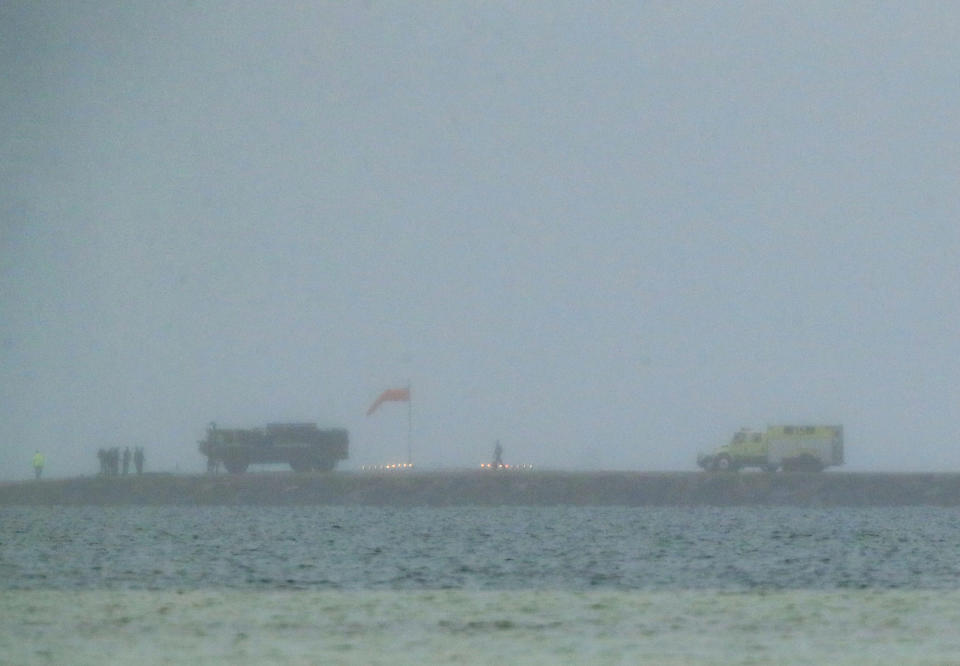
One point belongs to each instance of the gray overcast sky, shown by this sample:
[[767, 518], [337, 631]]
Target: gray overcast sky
[[608, 235]]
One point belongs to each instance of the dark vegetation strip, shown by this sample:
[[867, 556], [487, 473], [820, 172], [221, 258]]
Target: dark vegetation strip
[[491, 488]]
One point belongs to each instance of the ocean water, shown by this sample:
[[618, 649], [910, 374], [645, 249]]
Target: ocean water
[[478, 585]]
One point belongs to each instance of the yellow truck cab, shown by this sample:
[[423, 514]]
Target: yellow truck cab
[[804, 448]]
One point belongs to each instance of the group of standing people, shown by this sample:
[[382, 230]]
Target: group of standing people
[[112, 461]]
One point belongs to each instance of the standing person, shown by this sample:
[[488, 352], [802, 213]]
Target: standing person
[[102, 457], [138, 460], [497, 456], [126, 460], [38, 461]]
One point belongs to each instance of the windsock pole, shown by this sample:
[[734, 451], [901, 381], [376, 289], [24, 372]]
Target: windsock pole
[[396, 395], [409, 425]]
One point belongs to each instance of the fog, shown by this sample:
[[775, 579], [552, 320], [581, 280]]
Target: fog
[[606, 235]]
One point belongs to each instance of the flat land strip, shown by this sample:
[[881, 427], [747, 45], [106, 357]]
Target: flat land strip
[[493, 488]]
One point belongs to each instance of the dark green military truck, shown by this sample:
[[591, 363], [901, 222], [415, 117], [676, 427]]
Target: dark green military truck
[[303, 446]]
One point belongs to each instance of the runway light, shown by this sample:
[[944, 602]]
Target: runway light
[[387, 467]]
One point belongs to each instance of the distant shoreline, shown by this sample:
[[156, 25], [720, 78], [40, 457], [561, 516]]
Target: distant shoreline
[[492, 488]]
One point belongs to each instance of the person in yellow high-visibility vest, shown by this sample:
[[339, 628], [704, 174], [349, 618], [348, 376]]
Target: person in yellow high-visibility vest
[[38, 461]]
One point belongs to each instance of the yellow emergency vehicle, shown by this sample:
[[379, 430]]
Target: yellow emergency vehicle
[[792, 448]]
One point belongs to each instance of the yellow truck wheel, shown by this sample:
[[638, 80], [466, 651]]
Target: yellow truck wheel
[[724, 463]]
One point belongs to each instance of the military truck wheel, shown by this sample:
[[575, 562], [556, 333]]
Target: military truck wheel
[[723, 463], [324, 465], [236, 464], [300, 463]]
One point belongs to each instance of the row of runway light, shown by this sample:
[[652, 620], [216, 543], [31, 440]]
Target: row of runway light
[[509, 467], [400, 467], [393, 467]]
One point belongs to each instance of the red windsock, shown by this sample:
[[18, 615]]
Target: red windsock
[[398, 395]]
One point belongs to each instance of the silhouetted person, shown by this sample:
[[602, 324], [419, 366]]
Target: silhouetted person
[[102, 459], [115, 461], [497, 456], [126, 460], [38, 462], [138, 460]]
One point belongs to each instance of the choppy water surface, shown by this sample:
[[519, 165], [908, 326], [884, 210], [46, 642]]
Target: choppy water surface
[[561, 548], [255, 585], [891, 627]]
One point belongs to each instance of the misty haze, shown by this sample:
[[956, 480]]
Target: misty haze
[[608, 239], [593, 243]]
